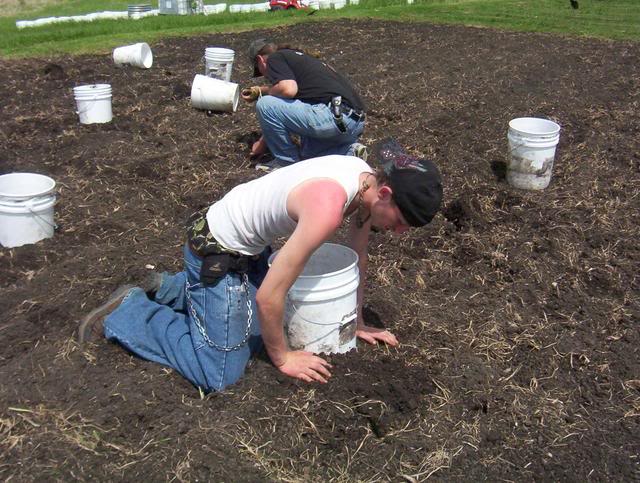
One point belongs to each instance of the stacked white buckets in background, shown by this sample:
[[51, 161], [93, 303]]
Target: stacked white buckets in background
[[214, 90], [26, 208], [93, 103]]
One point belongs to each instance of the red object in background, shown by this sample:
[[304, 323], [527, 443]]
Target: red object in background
[[284, 4]]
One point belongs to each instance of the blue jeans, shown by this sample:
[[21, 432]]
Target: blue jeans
[[204, 333], [314, 123]]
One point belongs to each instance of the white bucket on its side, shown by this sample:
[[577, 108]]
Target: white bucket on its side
[[214, 94], [93, 103], [322, 305], [138, 55], [218, 62], [532, 149], [26, 208]]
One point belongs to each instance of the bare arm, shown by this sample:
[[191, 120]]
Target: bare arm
[[285, 88], [359, 242], [317, 206]]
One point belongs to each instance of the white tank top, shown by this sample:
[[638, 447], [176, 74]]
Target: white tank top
[[253, 215]]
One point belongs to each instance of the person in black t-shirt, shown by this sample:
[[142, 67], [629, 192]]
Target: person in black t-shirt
[[306, 97]]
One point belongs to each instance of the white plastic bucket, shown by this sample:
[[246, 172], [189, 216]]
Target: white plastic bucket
[[218, 63], [338, 4], [138, 55], [93, 103], [322, 305], [532, 149], [214, 94], [26, 208]]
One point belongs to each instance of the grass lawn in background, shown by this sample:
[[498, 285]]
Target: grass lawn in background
[[616, 19]]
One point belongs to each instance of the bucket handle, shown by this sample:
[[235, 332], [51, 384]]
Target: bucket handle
[[29, 206], [92, 101], [297, 311]]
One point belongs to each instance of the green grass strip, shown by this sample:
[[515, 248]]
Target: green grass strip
[[608, 19]]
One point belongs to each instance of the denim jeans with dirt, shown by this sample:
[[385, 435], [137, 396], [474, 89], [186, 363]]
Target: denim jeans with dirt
[[206, 333], [314, 123]]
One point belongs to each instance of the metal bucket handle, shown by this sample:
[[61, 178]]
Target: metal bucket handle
[[29, 206]]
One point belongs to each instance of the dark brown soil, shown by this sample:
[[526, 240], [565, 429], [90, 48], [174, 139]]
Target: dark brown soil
[[517, 310]]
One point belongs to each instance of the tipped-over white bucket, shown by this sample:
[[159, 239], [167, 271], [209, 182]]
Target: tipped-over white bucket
[[214, 94], [26, 208], [218, 62], [322, 305], [93, 103], [138, 55], [532, 149]]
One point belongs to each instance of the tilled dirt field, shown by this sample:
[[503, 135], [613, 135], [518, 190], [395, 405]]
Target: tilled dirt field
[[517, 311]]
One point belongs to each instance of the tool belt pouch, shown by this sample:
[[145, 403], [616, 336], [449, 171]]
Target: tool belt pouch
[[217, 261]]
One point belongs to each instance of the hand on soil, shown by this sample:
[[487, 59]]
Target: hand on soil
[[258, 148], [306, 366], [250, 94], [373, 335]]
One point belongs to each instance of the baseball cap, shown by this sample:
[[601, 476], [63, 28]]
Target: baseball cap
[[254, 48], [415, 182]]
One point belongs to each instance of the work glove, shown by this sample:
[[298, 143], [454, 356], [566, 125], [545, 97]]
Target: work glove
[[251, 94]]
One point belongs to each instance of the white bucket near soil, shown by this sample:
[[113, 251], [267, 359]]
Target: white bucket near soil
[[26, 208], [532, 149], [322, 305], [218, 62], [214, 94], [93, 103], [137, 55], [338, 4]]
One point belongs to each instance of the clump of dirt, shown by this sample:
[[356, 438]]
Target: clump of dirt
[[517, 311]]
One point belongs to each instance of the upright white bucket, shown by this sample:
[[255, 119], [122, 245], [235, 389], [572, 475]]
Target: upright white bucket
[[532, 149], [322, 305], [93, 103], [214, 94], [138, 55], [218, 62], [26, 208]]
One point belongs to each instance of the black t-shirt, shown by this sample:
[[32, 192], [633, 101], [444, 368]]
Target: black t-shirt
[[317, 82]]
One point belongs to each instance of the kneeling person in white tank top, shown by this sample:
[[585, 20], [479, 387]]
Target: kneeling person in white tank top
[[207, 321]]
